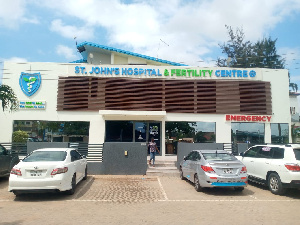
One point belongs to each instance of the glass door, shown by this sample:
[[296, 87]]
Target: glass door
[[140, 131], [155, 132]]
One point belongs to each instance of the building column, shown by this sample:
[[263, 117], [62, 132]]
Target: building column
[[163, 137], [97, 131], [268, 133]]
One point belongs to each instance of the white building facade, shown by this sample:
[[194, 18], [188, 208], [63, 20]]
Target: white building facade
[[117, 92]]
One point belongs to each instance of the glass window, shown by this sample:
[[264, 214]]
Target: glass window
[[119, 131], [297, 153], [2, 150], [46, 156], [54, 131], [140, 131], [251, 152], [190, 156], [215, 156], [264, 152], [198, 157], [190, 132], [75, 155], [278, 153], [194, 132], [280, 133], [253, 133]]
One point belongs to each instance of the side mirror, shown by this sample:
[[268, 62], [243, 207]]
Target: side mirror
[[184, 158], [242, 154]]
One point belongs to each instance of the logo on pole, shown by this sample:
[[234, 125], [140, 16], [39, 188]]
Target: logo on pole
[[30, 82]]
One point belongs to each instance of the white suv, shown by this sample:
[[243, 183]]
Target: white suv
[[277, 166]]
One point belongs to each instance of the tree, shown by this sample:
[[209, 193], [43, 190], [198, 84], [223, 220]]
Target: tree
[[8, 98], [19, 136], [244, 54], [180, 129]]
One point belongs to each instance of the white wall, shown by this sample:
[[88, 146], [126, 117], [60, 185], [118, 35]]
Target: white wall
[[48, 92]]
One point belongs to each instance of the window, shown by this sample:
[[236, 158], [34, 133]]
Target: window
[[280, 133], [215, 156], [75, 155], [198, 157], [54, 131], [297, 153], [253, 133], [119, 131], [278, 153], [251, 152], [2, 150], [47, 156], [194, 156], [193, 132], [264, 152]]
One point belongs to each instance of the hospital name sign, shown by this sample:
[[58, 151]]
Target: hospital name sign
[[165, 72]]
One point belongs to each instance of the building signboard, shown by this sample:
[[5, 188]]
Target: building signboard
[[179, 72], [36, 105]]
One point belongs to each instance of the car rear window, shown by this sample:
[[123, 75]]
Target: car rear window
[[46, 156], [218, 157], [297, 153]]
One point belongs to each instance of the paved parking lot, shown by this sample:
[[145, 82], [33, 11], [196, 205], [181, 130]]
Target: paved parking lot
[[149, 200]]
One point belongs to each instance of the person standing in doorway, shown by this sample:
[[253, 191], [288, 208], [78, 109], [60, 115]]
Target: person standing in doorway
[[153, 148]]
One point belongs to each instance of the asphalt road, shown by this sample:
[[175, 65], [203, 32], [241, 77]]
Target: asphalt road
[[149, 200]]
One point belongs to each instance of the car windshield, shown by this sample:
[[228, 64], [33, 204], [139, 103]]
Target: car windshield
[[297, 153], [218, 157], [39, 156]]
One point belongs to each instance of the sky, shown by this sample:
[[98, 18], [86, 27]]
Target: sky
[[183, 31]]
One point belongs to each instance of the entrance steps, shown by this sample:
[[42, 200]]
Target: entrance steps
[[164, 166]]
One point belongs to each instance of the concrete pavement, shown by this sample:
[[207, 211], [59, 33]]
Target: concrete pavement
[[149, 200]]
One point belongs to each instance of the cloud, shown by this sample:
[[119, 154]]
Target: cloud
[[16, 59], [191, 28], [66, 52], [13, 13], [68, 31]]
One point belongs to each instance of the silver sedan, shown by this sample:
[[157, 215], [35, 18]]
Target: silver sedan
[[213, 168]]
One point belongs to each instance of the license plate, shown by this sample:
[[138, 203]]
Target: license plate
[[228, 171], [225, 180], [36, 173]]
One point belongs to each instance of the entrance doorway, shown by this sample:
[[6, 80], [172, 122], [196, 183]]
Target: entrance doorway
[[145, 130], [133, 131]]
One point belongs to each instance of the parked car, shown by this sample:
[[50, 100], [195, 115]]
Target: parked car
[[7, 161], [49, 169], [277, 166], [213, 168]]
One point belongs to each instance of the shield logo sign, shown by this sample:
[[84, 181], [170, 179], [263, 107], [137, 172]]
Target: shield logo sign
[[30, 82]]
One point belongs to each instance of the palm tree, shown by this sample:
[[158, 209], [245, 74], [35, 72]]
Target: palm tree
[[294, 87], [8, 98]]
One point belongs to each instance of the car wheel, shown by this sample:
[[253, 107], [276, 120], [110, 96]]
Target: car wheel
[[275, 185], [239, 188], [73, 184], [85, 174], [197, 186], [181, 174]]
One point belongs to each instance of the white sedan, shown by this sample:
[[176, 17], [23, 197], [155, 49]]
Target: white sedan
[[48, 169]]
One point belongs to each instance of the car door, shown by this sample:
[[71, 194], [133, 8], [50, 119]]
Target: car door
[[4, 161], [194, 163], [249, 158], [77, 164], [262, 162], [82, 163], [186, 166]]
